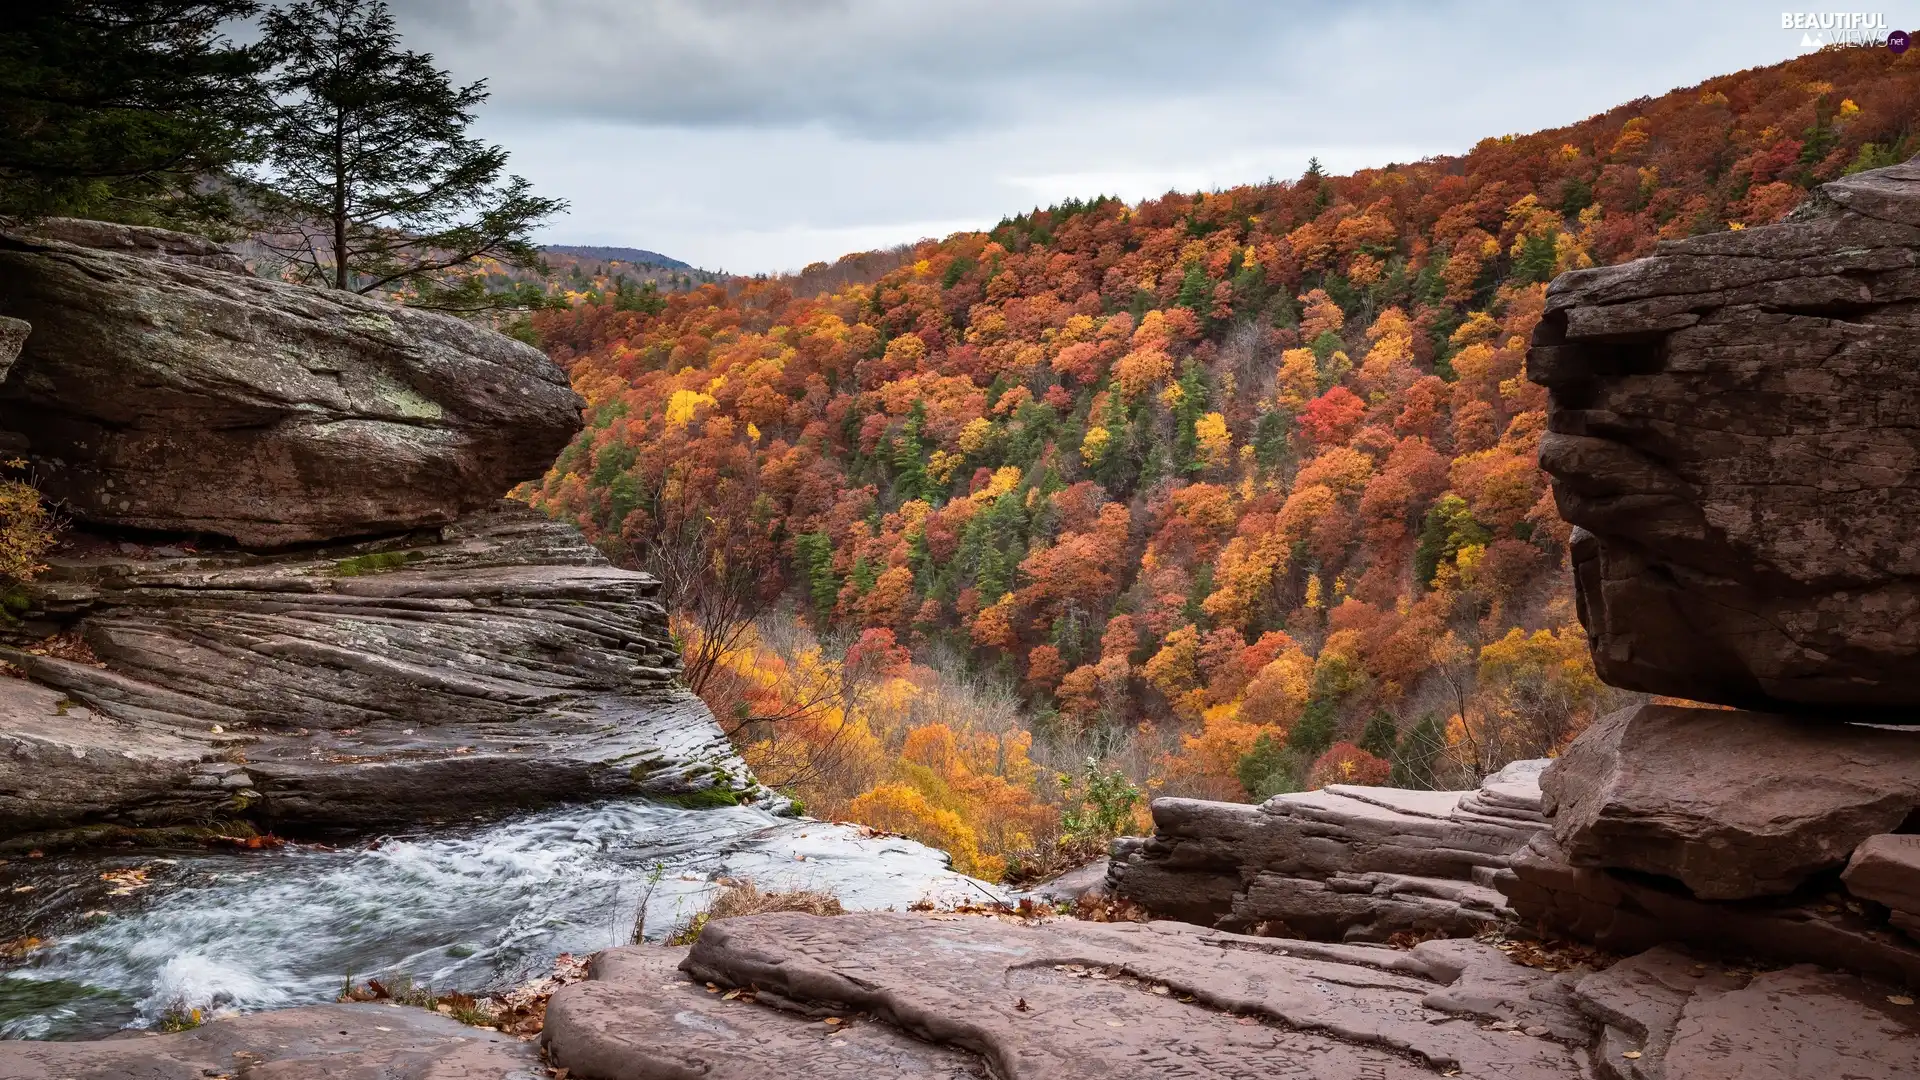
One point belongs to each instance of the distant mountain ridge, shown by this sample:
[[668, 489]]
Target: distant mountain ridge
[[623, 254]]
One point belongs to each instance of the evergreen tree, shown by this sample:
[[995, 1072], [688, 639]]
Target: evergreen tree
[[814, 552], [123, 110], [1381, 735], [371, 182], [1196, 292], [1312, 734], [1419, 752]]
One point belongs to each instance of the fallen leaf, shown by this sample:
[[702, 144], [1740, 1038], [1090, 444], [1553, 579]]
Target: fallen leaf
[[730, 995], [1899, 999], [1631, 1055], [832, 1020]]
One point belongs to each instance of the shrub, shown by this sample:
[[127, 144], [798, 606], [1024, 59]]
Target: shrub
[[738, 898], [28, 530]]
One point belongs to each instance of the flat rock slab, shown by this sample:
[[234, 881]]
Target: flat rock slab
[[1798, 1024], [497, 662], [1886, 870], [639, 1018], [1345, 862], [319, 1042], [1640, 1000], [1089, 881], [1731, 804], [1117, 1001]]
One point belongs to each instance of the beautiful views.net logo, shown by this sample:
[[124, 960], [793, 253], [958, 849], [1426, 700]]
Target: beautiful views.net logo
[[1857, 29]]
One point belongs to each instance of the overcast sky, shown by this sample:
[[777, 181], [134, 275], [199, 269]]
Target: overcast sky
[[760, 135]]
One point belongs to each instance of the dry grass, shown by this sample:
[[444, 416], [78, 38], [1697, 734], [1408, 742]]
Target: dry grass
[[739, 898]]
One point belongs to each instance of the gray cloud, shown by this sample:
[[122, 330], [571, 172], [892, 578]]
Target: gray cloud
[[761, 134], [874, 68]]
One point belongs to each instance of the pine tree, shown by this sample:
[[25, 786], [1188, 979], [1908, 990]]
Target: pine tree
[[1313, 732], [1196, 292], [123, 110], [1419, 752], [1381, 736], [814, 552], [371, 182]]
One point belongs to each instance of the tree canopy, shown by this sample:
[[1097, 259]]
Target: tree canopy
[[123, 109], [369, 180]]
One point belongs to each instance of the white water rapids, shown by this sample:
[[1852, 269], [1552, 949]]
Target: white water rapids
[[470, 909]]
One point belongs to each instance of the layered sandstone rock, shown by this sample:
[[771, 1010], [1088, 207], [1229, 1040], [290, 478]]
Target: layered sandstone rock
[[987, 997], [1730, 804], [1344, 862], [1628, 912], [321, 1042], [162, 390], [497, 662], [639, 1018], [1886, 870], [959, 997], [1132, 1001], [1730, 429]]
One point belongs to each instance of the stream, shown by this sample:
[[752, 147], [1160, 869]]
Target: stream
[[129, 937]]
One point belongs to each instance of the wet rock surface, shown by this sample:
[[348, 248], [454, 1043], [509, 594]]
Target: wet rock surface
[[1730, 429], [960, 997], [1731, 804], [1087, 883], [324, 1042], [1164, 999], [162, 390], [640, 1018], [1345, 862], [498, 662], [128, 936]]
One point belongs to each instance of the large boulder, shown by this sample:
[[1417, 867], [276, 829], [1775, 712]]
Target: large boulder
[[1731, 804], [161, 390], [1730, 429]]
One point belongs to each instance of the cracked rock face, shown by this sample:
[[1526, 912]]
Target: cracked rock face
[[321, 1042], [1345, 862], [161, 390], [1125, 1001], [496, 663], [1731, 431], [943, 997]]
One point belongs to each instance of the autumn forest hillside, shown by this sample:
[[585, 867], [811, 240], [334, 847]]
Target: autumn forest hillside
[[1233, 492]]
